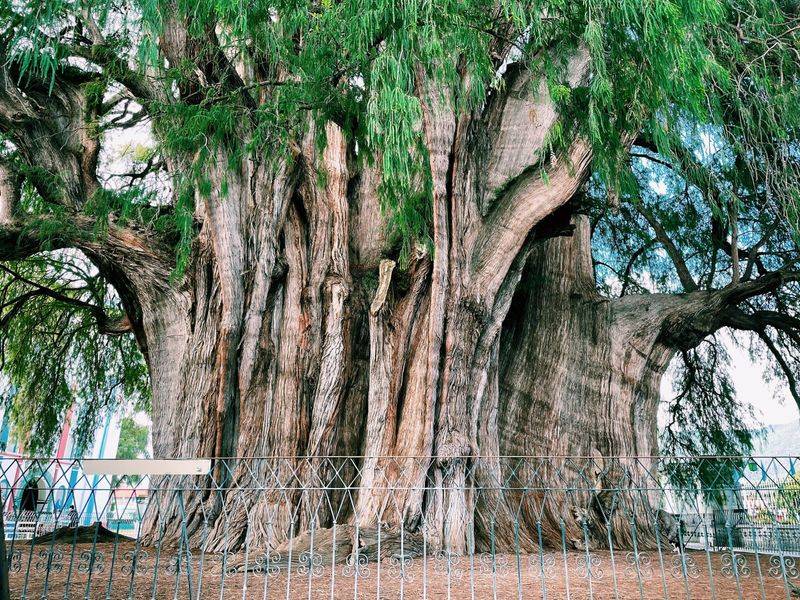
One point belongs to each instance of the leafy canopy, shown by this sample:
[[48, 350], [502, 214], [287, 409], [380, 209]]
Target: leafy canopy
[[133, 439], [56, 356], [358, 62]]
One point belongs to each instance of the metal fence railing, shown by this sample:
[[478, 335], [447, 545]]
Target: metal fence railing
[[392, 527]]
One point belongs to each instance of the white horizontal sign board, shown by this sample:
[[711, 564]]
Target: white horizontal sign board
[[100, 466]]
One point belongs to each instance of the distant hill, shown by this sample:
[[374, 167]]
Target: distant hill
[[778, 440]]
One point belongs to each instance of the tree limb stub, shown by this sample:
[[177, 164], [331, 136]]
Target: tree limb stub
[[384, 280]]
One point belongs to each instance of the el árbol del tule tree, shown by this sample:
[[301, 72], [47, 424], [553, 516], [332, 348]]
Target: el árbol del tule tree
[[455, 229]]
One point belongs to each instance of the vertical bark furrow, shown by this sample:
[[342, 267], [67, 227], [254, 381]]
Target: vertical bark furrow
[[225, 223], [270, 199], [329, 391]]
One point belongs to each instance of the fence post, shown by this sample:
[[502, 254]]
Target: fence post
[[5, 591]]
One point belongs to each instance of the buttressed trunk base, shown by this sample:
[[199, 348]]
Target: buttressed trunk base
[[343, 365]]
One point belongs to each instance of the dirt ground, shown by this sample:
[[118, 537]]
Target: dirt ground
[[125, 571]]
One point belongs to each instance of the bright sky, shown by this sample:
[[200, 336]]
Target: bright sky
[[771, 400]]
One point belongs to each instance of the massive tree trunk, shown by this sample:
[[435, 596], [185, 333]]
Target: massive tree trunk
[[346, 363], [579, 377], [299, 334], [297, 331]]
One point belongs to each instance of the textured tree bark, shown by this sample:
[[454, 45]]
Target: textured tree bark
[[342, 367], [573, 361], [9, 194], [559, 371], [579, 376], [296, 331], [296, 337]]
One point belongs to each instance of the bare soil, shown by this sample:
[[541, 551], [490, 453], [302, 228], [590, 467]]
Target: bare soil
[[118, 571]]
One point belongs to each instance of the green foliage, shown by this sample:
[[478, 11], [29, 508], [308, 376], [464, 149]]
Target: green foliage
[[358, 62], [55, 356], [788, 499], [132, 439]]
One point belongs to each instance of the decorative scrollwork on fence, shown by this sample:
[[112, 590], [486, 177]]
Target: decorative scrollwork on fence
[[779, 565], [448, 564], [178, 564], [268, 564], [639, 565], [15, 561], [492, 563], [356, 566], [684, 566], [589, 566], [50, 560], [310, 564], [135, 562], [398, 568], [485, 563], [91, 561], [735, 565], [542, 565]]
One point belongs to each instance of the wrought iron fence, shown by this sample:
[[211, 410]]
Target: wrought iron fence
[[390, 527]]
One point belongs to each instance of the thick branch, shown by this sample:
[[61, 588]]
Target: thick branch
[[531, 199], [689, 318], [52, 129], [768, 282], [761, 319], [140, 256], [105, 323], [518, 120], [116, 65]]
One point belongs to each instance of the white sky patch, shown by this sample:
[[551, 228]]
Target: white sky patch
[[771, 401], [142, 419], [708, 145], [658, 186]]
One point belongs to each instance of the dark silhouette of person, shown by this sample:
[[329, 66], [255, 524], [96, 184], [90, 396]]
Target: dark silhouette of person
[[72, 514]]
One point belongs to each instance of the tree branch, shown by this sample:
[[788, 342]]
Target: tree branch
[[112, 63], [769, 282], [533, 197], [685, 276], [759, 320], [138, 254], [695, 173], [626, 277], [518, 120], [687, 319], [105, 323]]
